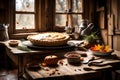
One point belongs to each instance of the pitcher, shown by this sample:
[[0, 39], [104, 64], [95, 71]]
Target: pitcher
[[4, 32], [83, 25]]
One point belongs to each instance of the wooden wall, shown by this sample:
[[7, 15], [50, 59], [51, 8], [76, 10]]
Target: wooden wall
[[109, 22], [3, 11]]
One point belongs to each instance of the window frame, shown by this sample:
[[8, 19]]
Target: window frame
[[25, 12], [44, 22], [69, 6]]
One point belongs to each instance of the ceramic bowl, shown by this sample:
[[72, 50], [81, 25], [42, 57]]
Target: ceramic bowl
[[13, 43], [73, 57]]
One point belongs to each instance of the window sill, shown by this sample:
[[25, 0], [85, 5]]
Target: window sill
[[21, 35]]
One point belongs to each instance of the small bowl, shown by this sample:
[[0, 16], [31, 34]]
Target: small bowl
[[33, 66], [13, 43], [73, 57]]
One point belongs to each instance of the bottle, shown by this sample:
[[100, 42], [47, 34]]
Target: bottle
[[68, 27]]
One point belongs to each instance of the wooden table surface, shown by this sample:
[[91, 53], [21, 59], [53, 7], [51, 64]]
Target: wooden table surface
[[20, 57], [66, 69], [61, 70], [17, 51]]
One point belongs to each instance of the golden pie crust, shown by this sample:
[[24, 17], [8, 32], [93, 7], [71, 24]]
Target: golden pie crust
[[49, 39]]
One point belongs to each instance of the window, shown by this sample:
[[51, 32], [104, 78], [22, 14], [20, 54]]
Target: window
[[25, 14], [68, 12], [38, 15]]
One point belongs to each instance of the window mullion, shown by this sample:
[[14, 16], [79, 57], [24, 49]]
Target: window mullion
[[74, 13], [67, 4], [70, 4], [70, 23], [24, 12]]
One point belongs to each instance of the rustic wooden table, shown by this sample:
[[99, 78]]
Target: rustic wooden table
[[21, 57], [79, 71]]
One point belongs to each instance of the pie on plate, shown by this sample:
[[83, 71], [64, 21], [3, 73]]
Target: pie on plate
[[49, 39]]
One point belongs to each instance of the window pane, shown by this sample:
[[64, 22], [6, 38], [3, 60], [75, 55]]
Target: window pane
[[76, 20], [77, 5], [25, 5], [25, 21], [60, 5], [60, 20]]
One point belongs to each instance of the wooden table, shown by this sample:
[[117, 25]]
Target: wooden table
[[72, 71], [21, 58]]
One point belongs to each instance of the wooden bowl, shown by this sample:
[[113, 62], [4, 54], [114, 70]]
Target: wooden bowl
[[13, 43]]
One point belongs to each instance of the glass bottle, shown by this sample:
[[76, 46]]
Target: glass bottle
[[68, 27]]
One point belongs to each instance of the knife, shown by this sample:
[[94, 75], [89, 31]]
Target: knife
[[96, 63]]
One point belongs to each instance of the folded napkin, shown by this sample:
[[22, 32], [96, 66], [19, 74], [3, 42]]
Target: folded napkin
[[75, 42]]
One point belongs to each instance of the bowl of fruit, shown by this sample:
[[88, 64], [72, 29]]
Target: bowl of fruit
[[101, 50]]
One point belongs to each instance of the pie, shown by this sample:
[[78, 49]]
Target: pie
[[49, 39]]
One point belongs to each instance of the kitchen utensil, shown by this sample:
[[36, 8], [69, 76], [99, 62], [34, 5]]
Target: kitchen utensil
[[96, 63], [88, 60]]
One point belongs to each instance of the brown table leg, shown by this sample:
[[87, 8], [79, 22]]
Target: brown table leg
[[107, 75], [20, 66]]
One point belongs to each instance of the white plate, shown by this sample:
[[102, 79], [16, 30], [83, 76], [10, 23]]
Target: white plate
[[30, 45]]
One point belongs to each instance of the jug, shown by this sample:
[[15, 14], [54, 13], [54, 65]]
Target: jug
[[83, 25], [4, 32], [85, 28]]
